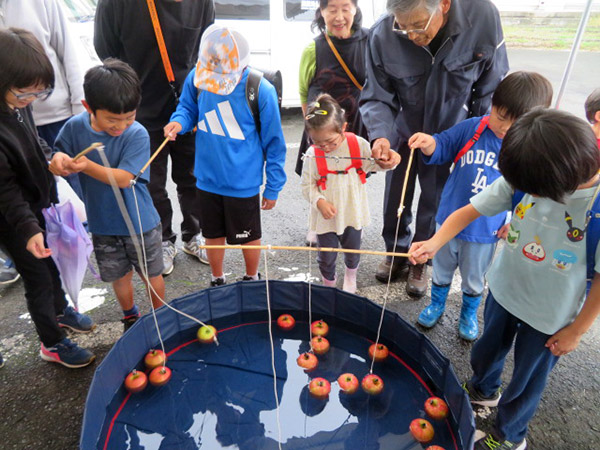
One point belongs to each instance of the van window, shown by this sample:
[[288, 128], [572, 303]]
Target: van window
[[242, 9], [300, 10]]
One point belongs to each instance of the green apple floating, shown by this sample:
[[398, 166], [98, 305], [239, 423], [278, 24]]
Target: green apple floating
[[372, 384], [436, 408], [319, 328], [307, 361], [319, 388], [422, 430], [207, 334], [320, 345], [136, 381], [160, 376], [286, 322], [348, 383], [378, 352], [155, 358]]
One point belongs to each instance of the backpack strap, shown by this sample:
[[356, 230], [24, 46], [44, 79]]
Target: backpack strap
[[252, 88], [321, 168], [482, 124], [355, 154]]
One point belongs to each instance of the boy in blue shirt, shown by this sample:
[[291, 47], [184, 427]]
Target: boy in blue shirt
[[537, 284], [112, 95], [230, 152], [474, 145]]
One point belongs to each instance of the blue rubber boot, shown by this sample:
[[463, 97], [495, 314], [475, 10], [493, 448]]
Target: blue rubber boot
[[468, 328], [430, 315]]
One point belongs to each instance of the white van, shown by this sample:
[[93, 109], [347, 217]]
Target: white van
[[278, 31]]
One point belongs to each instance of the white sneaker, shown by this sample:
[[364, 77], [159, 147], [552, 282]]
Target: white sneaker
[[169, 252], [192, 247]]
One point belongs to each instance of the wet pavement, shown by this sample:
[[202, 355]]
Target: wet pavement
[[43, 404]]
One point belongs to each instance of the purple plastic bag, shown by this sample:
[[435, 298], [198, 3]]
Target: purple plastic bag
[[70, 244]]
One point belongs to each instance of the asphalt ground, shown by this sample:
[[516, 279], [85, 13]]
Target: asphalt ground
[[43, 404]]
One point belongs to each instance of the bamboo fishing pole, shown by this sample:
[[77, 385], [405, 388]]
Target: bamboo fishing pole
[[305, 249], [85, 151], [143, 169], [410, 159]]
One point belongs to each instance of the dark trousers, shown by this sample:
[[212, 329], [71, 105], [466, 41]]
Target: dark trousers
[[182, 152], [431, 180], [349, 239], [43, 290], [49, 132], [533, 364]]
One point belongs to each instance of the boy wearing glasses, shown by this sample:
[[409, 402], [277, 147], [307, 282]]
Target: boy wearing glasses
[[430, 64]]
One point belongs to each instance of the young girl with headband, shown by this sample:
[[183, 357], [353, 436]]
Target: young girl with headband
[[333, 182]]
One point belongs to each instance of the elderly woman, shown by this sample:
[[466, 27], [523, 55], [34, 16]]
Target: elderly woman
[[320, 69], [342, 42]]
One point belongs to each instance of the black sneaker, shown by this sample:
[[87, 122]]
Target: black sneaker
[[128, 321], [217, 282], [477, 398], [247, 278], [491, 442]]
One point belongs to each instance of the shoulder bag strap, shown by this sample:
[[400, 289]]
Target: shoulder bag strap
[[342, 63], [164, 55], [482, 124]]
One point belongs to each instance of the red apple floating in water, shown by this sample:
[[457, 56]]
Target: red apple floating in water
[[207, 334], [319, 388], [160, 376], [319, 328], [307, 361], [136, 381], [348, 383], [286, 322], [378, 352], [155, 358], [434, 447], [372, 384], [320, 345], [421, 430], [436, 408]]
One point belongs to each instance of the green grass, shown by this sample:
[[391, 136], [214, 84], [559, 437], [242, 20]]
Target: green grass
[[552, 37]]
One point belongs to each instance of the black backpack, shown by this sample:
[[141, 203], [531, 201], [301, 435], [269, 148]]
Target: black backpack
[[252, 88]]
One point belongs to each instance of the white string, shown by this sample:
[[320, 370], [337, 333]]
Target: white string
[[310, 212], [272, 349]]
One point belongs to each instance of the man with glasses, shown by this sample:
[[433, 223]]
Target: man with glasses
[[430, 64]]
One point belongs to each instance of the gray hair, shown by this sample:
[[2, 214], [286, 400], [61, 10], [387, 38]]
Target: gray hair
[[407, 6]]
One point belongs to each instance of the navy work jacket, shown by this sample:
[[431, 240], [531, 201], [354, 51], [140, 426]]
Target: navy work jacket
[[410, 90]]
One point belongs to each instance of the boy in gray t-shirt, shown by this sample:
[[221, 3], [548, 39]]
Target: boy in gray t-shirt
[[537, 284]]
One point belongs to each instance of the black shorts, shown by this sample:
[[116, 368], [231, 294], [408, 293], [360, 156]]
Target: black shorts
[[236, 219]]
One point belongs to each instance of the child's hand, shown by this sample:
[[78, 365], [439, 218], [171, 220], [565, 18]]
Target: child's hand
[[328, 211], [171, 129], [393, 161], [267, 204], [423, 141], [37, 247], [564, 341], [59, 164], [503, 231], [420, 252], [79, 164]]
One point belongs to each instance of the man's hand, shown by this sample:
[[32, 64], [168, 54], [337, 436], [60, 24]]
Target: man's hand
[[423, 141], [59, 165], [564, 341], [37, 247], [267, 204], [328, 211], [381, 149], [393, 161], [171, 129]]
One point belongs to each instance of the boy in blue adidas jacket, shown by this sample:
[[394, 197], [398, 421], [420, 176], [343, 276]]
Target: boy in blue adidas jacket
[[537, 284], [474, 145], [230, 153]]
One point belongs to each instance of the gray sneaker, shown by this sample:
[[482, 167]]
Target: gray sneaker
[[477, 398], [169, 252], [192, 247], [8, 275]]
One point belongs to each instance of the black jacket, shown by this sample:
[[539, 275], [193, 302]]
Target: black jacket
[[123, 29], [410, 90], [27, 186]]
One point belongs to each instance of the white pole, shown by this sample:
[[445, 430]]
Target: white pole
[[574, 50]]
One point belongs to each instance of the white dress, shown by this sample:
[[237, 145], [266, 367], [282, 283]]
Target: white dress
[[345, 191]]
